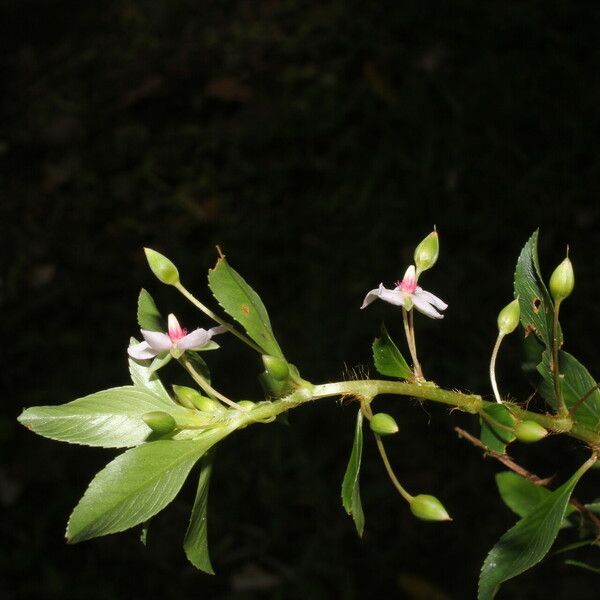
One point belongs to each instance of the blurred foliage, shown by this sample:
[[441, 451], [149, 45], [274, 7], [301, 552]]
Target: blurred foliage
[[317, 143]]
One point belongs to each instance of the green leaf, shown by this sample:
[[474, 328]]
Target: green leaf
[[110, 418], [350, 484], [241, 302], [136, 485], [493, 437], [526, 544], [195, 543], [537, 308], [575, 382], [148, 315], [142, 376], [388, 359], [521, 495]]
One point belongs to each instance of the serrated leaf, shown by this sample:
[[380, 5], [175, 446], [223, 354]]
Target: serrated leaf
[[575, 382], [242, 303], [388, 359], [350, 484], [148, 315], [521, 495], [136, 485], [195, 542], [110, 418], [535, 303], [143, 377], [526, 544], [493, 437]]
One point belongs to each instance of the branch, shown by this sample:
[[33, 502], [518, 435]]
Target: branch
[[507, 461]]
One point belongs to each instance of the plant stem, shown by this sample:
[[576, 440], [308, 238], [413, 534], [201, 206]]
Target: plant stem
[[493, 367], [366, 409], [562, 407], [207, 387], [390, 471], [409, 330], [216, 318]]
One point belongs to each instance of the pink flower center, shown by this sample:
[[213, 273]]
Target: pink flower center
[[176, 332], [408, 286]]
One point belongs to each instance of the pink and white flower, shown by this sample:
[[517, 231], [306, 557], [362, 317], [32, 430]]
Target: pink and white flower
[[408, 294], [176, 341]]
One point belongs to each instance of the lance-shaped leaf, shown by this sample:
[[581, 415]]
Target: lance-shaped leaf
[[241, 302], [110, 418], [526, 544], [495, 432], [535, 303], [522, 495], [576, 384], [350, 485], [388, 359], [136, 485], [148, 316], [195, 543]]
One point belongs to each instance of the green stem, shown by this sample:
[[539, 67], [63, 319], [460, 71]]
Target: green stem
[[409, 330], [216, 318], [207, 387], [493, 367], [562, 407], [390, 471]]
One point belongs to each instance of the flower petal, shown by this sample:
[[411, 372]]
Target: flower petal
[[424, 307], [217, 330], [429, 297], [197, 338], [157, 340], [141, 351], [394, 296]]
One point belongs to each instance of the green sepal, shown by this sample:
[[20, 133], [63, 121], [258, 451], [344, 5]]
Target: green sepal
[[148, 315]]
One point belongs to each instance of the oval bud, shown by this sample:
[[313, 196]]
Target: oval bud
[[426, 253], [191, 398], [383, 424], [162, 267], [508, 317], [276, 367], [529, 431], [562, 281], [160, 422], [247, 404], [428, 508]]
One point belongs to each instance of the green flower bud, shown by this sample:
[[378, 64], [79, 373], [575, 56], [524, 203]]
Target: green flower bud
[[247, 404], [162, 267], [508, 318], [159, 421], [428, 508], [562, 281], [276, 367], [383, 424], [191, 398], [426, 253], [529, 431]]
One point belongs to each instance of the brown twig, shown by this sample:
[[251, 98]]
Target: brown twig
[[507, 461]]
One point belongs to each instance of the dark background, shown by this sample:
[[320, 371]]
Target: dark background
[[317, 143]]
